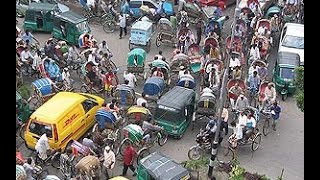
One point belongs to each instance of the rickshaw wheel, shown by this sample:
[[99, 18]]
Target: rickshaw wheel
[[130, 46], [266, 129], [227, 154], [195, 153], [158, 40], [121, 147], [21, 131], [95, 128], [284, 97], [256, 142], [109, 26], [163, 139], [142, 154], [84, 88]]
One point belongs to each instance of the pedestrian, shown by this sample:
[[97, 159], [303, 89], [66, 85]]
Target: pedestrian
[[224, 122], [42, 146], [29, 169], [123, 24], [199, 30], [109, 160], [27, 36], [128, 158], [131, 78]]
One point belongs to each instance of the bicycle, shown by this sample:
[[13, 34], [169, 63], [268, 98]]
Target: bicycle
[[266, 125], [253, 96]]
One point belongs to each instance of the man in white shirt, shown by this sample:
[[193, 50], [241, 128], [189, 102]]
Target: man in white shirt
[[109, 160], [270, 95], [254, 52], [214, 79], [262, 30], [234, 61], [187, 75], [253, 68], [131, 78], [181, 72], [26, 55], [123, 23], [142, 99], [103, 47]]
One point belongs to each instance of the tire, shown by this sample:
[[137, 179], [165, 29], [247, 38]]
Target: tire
[[227, 154], [158, 40], [95, 128], [195, 153], [55, 162], [256, 142], [21, 131], [84, 89], [163, 139], [120, 150], [142, 154], [284, 97], [266, 127], [109, 26]]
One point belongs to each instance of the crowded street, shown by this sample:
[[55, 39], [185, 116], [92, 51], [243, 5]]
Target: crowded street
[[280, 150]]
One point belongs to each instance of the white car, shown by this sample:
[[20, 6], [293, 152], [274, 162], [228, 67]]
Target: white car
[[292, 40]]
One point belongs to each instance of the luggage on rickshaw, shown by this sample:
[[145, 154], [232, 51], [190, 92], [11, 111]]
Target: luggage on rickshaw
[[166, 32], [187, 82], [50, 69], [20, 173], [194, 53], [43, 90], [89, 166], [78, 148], [125, 95], [154, 86], [136, 61], [137, 114]]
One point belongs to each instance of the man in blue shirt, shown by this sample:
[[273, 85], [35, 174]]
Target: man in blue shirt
[[275, 114], [254, 81]]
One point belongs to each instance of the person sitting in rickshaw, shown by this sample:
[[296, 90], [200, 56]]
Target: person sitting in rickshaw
[[158, 73], [236, 90], [234, 62], [211, 129], [242, 102], [26, 56], [254, 82], [214, 52], [249, 127], [53, 71], [181, 71], [236, 73], [275, 23], [149, 129], [238, 32], [270, 95], [187, 74], [263, 30], [108, 77], [181, 42], [87, 40], [262, 73], [91, 75], [207, 92]]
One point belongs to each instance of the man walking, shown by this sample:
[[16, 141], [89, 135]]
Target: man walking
[[123, 24], [128, 158]]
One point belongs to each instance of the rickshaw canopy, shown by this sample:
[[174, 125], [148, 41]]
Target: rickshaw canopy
[[160, 64], [108, 116], [43, 85], [140, 54], [187, 82], [161, 167], [133, 132], [273, 10], [137, 109], [153, 86]]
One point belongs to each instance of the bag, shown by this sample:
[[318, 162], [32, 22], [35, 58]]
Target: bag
[[88, 164]]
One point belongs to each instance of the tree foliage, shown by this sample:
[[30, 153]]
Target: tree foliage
[[299, 82]]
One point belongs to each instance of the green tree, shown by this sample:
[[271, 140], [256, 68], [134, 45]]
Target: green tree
[[299, 82]]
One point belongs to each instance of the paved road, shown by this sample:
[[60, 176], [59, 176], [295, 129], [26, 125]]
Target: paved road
[[280, 149]]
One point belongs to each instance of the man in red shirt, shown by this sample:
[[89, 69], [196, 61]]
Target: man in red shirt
[[128, 158]]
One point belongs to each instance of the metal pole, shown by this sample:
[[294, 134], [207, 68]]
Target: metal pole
[[222, 98]]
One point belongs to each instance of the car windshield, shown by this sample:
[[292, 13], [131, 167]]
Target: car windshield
[[293, 42], [40, 129], [287, 73], [167, 115], [83, 26]]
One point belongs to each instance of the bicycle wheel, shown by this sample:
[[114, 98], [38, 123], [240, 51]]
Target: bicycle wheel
[[21, 131], [266, 127], [162, 138], [195, 153], [95, 128], [142, 154], [256, 142], [84, 89], [227, 154], [109, 26], [121, 147]]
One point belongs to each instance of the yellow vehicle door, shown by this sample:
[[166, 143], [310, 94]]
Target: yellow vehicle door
[[90, 108]]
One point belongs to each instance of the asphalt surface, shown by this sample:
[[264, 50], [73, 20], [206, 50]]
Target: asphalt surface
[[278, 150]]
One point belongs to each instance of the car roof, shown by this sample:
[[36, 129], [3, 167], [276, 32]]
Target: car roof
[[64, 100], [295, 29], [163, 168], [72, 17], [288, 58], [42, 6], [176, 97]]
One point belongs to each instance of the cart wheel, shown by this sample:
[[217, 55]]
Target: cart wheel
[[121, 147], [84, 88], [95, 128], [227, 154], [144, 152], [169, 82], [21, 131], [284, 96], [158, 40], [163, 139], [109, 26], [266, 129], [145, 75], [195, 153], [256, 142]]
